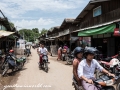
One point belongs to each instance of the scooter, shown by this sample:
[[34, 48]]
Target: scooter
[[111, 64], [44, 64]]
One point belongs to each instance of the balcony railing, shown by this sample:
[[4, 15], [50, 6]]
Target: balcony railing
[[113, 15]]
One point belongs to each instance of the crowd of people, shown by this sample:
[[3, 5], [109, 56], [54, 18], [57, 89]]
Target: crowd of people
[[83, 68]]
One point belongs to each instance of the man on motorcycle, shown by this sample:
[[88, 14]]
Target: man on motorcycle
[[28, 47], [42, 51], [78, 54], [86, 69]]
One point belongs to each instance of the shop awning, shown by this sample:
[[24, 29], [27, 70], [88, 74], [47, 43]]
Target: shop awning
[[101, 30], [116, 32], [5, 33]]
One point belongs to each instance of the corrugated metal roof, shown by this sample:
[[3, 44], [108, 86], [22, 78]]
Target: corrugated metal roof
[[5, 33], [67, 20]]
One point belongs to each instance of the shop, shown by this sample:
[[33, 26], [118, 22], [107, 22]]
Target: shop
[[102, 38]]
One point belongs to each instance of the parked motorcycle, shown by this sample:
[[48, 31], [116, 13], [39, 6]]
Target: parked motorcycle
[[111, 64], [104, 82], [11, 62], [44, 64], [70, 58]]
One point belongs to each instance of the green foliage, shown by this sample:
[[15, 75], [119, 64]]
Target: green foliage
[[11, 24], [43, 31], [35, 30], [31, 35]]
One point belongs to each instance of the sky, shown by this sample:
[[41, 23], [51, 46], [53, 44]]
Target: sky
[[40, 13]]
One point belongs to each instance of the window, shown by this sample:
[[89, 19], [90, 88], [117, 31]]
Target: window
[[97, 11]]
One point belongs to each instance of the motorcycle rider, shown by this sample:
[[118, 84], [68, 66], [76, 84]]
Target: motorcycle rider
[[28, 47], [78, 54], [86, 69], [42, 51]]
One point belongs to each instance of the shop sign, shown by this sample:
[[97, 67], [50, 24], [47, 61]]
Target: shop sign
[[116, 32]]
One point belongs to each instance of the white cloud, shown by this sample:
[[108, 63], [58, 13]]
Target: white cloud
[[29, 24], [15, 8]]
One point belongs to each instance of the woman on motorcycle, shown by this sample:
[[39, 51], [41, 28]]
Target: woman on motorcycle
[[78, 54], [86, 69]]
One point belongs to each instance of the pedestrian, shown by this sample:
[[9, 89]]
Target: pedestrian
[[59, 52]]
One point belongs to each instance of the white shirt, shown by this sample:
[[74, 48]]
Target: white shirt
[[88, 71], [43, 50], [39, 49]]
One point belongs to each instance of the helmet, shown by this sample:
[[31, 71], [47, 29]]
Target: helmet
[[90, 50], [77, 50], [11, 51]]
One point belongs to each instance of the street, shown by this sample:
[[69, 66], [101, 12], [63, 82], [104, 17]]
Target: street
[[59, 76]]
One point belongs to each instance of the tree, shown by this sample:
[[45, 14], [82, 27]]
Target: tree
[[35, 30], [43, 31], [11, 24], [30, 35]]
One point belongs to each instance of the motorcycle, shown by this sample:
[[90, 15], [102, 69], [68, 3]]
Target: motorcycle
[[70, 58], [111, 64], [11, 62], [107, 82], [44, 64], [27, 52], [104, 82]]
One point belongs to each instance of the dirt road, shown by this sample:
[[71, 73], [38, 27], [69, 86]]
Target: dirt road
[[59, 76]]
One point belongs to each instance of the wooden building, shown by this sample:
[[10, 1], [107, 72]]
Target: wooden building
[[8, 34], [99, 20]]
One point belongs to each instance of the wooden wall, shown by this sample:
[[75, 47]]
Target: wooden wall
[[110, 12]]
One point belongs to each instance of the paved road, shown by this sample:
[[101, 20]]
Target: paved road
[[59, 76]]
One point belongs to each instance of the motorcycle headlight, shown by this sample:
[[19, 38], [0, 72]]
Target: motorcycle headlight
[[109, 82]]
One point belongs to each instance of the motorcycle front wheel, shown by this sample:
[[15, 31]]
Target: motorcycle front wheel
[[5, 69], [46, 67]]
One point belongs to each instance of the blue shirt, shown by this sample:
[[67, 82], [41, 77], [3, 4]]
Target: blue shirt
[[88, 71]]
